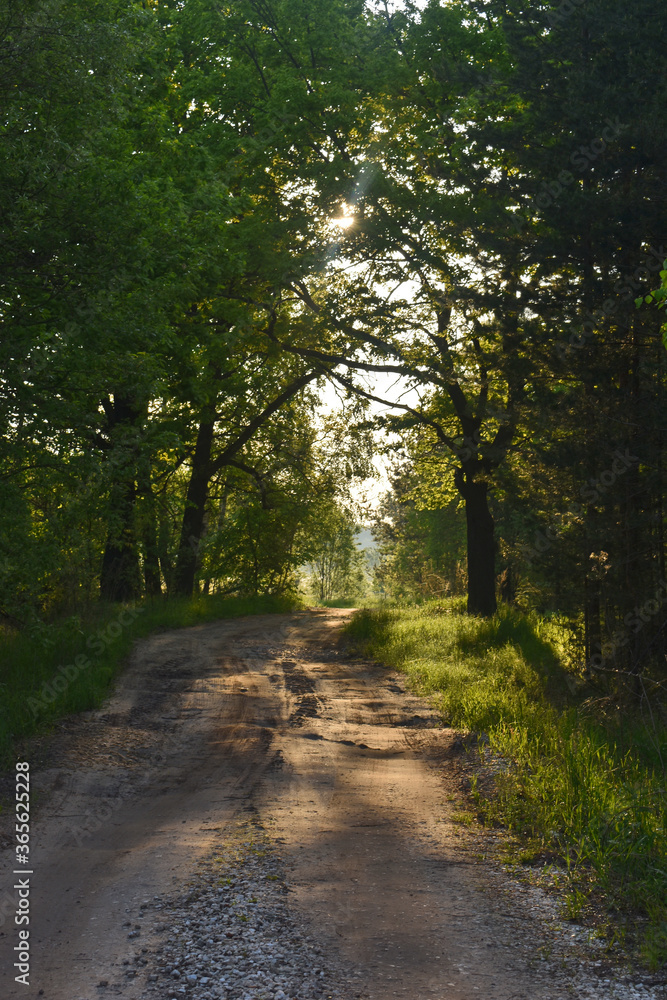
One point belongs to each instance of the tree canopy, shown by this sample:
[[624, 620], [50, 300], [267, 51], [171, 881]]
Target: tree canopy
[[209, 213]]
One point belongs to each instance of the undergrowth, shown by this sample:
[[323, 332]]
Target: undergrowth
[[578, 784], [50, 670]]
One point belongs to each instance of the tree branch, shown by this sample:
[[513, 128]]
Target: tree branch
[[290, 390]]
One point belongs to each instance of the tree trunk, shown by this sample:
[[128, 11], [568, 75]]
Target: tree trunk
[[195, 508], [507, 586], [592, 619], [120, 578], [203, 468], [152, 581], [480, 545], [149, 538], [166, 564], [120, 575]]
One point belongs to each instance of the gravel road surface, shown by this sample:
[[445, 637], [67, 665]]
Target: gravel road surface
[[254, 815]]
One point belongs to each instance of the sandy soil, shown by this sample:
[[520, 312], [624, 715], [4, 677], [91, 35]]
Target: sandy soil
[[350, 775]]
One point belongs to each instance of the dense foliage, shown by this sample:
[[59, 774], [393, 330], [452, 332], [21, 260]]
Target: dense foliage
[[207, 212]]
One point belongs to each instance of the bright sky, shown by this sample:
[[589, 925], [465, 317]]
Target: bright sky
[[369, 492], [387, 386]]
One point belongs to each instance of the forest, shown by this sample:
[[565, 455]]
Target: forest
[[448, 216], [209, 214]]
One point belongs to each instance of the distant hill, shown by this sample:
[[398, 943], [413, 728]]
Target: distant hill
[[364, 539]]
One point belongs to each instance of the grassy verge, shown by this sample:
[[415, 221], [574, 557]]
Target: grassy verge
[[584, 787], [53, 670]]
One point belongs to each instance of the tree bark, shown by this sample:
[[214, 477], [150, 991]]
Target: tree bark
[[120, 578], [120, 575], [195, 509], [507, 586], [152, 580], [592, 619], [480, 546], [166, 564]]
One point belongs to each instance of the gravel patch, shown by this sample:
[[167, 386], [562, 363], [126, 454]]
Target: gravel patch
[[232, 935], [578, 956]]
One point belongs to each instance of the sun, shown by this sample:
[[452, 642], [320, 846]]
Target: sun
[[344, 222]]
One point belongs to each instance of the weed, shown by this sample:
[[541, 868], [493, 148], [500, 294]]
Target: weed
[[654, 944], [574, 904], [463, 818], [578, 787]]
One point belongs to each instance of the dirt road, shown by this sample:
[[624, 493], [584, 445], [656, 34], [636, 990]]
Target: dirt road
[[265, 720]]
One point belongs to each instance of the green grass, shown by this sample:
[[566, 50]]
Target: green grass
[[585, 787], [56, 669], [341, 602]]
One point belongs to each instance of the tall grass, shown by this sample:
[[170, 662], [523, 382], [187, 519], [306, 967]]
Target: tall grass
[[51, 670], [581, 786]]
